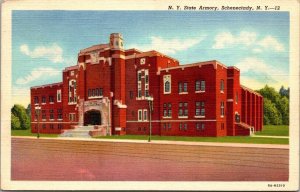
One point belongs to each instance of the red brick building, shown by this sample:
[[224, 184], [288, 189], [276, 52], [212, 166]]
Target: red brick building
[[110, 88]]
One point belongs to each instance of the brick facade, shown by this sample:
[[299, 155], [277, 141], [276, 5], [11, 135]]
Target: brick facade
[[111, 86]]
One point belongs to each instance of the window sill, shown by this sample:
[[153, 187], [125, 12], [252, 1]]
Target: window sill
[[182, 117], [51, 119], [95, 97], [199, 91], [59, 119], [167, 93], [43, 119], [222, 116], [222, 92], [199, 116], [43, 103], [166, 117], [51, 103], [183, 93], [72, 103]]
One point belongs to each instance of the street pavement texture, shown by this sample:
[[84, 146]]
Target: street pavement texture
[[87, 160]]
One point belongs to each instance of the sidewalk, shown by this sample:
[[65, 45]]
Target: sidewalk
[[216, 144], [269, 136]]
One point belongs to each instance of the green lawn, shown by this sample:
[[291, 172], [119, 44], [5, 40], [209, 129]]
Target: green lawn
[[274, 130], [28, 133], [228, 139]]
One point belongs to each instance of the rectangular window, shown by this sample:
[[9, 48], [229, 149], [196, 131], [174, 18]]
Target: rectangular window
[[43, 99], [167, 107], [183, 127], [146, 76], [59, 126], [51, 114], [36, 100], [185, 87], [165, 126], [145, 117], [197, 85], [51, 126], [200, 126], [146, 93], [43, 115], [139, 77], [100, 91], [58, 96], [222, 109], [131, 94], [222, 85], [44, 126], [183, 109], [169, 126], [51, 99], [200, 108], [72, 117], [180, 90], [202, 86], [59, 114], [182, 87], [139, 93], [140, 115]]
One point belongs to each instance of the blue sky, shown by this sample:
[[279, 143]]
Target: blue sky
[[45, 42]]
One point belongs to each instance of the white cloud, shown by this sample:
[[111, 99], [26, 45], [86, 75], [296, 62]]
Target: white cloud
[[38, 73], [169, 46], [255, 73], [226, 39], [244, 38], [270, 42], [53, 52]]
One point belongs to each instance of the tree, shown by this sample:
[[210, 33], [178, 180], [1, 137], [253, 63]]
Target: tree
[[28, 110], [283, 108], [271, 114], [284, 92], [15, 122], [279, 100], [20, 112]]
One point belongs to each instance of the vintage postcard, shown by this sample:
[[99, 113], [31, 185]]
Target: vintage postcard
[[150, 95]]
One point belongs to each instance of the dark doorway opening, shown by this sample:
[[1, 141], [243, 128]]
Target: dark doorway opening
[[92, 118]]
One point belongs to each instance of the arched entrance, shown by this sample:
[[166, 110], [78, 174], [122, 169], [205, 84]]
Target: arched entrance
[[92, 117]]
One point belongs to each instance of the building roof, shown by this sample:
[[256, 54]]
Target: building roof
[[212, 62], [250, 90], [47, 85], [154, 53], [71, 68], [93, 48]]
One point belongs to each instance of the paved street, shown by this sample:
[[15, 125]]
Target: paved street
[[61, 160]]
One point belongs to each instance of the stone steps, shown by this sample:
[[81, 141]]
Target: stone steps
[[79, 131]]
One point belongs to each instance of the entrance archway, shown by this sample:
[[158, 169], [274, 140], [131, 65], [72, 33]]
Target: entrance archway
[[92, 117]]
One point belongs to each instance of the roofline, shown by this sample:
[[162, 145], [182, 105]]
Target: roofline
[[153, 53], [133, 49], [250, 90], [70, 68], [212, 62], [46, 85], [234, 67]]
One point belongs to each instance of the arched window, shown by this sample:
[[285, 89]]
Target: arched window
[[167, 86]]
